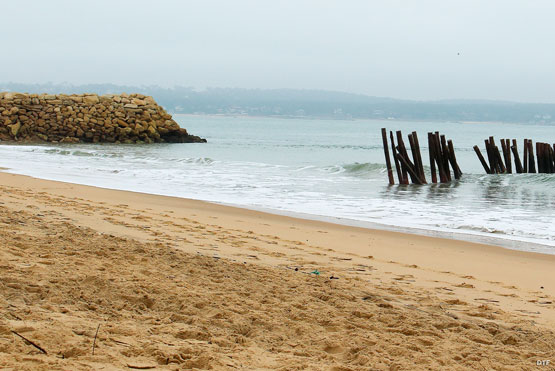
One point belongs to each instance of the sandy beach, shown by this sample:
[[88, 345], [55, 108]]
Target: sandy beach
[[173, 283]]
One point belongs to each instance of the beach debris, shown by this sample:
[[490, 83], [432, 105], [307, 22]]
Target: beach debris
[[442, 154], [332, 277], [141, 367], [497, 164], [316, 272], [94, 341], [341, 258], [30, 342], [465, 285]]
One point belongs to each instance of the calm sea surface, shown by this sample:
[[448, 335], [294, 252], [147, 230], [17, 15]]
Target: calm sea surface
[[325, 169]]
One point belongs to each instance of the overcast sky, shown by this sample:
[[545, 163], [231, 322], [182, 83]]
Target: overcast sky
[[404, 49]]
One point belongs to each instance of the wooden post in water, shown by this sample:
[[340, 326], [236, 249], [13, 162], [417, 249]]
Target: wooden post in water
[[445, 156], [525, 156], [397, 166], [482, 160], [509, 161], [531, 158], [546, 158], [546, 161], [518, 164], [491, 157], [387, 159], [507, 155], [419, 156], [543, 161], [493, 164], [410, 168], [414, 155], [431, 151], [403, 152], [441, 153], [497, 156], [453, 159], [540, 155], [501, 167], [439, 158], [504, 150]]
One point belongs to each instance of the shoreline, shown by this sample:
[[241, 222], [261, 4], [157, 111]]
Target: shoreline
[[451, 246], [506, 242], [503, 241]]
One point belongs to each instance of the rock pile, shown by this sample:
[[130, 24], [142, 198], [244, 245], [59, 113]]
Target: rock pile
[[124, 118]]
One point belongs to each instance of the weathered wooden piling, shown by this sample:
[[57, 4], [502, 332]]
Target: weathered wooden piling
[[387, 159], [507, 155], [438, 157], [431, 151], [453, 160], [518, 164], [542, 161], [482, 160], [491, 157], [531, 158], [419, 156], [504, 150], [402, 180], [551, 158], [445, 157], [548, 158], [525, 155], [541, 157], [545, 157], [441, 154], [509, 160], [410, 168], [401, 150], [498, 161]]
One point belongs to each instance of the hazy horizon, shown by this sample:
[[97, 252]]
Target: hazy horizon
[[4, 84], [427, 50]]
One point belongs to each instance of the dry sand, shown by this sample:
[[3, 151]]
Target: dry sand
[[182, 284]]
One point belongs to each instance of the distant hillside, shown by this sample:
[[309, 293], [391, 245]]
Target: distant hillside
[[311, 103]]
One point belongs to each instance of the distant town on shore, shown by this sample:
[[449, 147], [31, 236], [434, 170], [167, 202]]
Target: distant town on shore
[[297, 103]]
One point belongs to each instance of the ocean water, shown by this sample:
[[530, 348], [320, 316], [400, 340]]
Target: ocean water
[[323, 169]]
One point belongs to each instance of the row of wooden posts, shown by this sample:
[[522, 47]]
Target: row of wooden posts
[[496, 164], [442, 156]]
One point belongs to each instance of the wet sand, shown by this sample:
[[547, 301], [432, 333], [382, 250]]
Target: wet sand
[[178, 284]]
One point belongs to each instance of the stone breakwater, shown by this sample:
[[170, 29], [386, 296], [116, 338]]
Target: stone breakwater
[[90, 118]]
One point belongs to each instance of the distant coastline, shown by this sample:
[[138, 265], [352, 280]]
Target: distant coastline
[[313, 104]]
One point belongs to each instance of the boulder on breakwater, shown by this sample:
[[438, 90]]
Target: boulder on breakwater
[[87, 118]]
